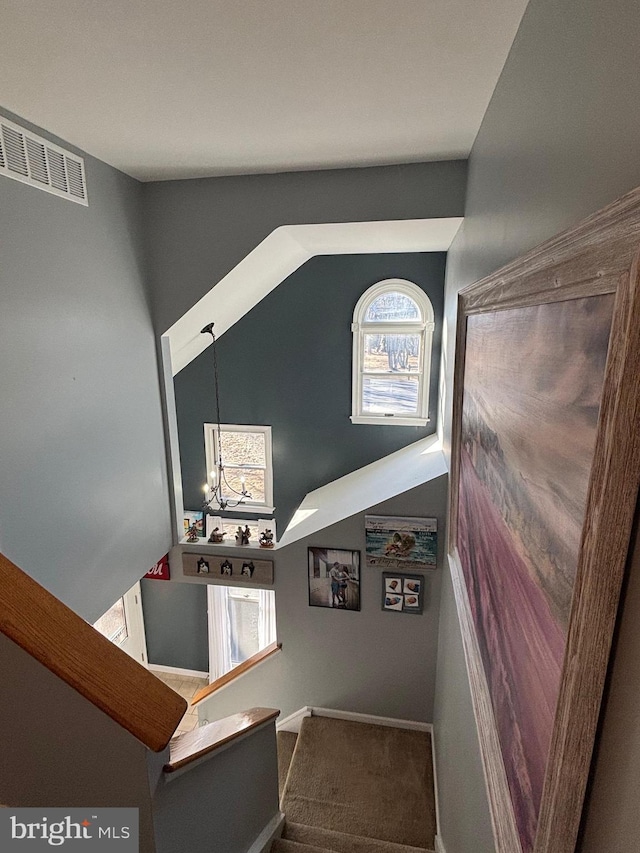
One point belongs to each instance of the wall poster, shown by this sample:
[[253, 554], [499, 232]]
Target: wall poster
[[401, 543]]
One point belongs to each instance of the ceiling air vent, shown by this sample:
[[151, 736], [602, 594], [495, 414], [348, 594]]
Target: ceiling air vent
[[33, 160]]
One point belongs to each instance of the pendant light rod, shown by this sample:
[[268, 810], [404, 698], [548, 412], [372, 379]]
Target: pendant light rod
[[216, 488]]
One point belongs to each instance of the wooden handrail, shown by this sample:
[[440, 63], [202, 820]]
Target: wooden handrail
[[243, 667], [190, 746], [66, 645]]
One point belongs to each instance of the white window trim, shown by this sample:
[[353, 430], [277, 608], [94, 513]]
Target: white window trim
[[423, 327], [219, 626], [210, 440]]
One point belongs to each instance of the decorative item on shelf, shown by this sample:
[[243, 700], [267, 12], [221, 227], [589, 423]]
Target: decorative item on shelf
[[244, 571], [203, 566], [218, 493], [192, 533], [194, 519], [217, 536], [266, 538], [243, 536]]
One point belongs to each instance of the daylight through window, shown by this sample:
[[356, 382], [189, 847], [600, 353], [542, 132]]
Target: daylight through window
[[392, 333], [246, 456], [242, 622]]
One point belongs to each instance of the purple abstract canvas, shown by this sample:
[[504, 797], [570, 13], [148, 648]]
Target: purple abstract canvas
[[532, 388]]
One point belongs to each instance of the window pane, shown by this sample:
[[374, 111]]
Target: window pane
[[384, 353], [392, 307], [243, 448], [243, 621], [113, 624], [253, 482], [390, 394]]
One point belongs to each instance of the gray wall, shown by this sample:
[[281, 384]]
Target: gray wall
[[83, 484], [287, 364], [60, 750], [462, 801], [368, 661], [198, 230], [559, 140], [175, 621], [222, 804]]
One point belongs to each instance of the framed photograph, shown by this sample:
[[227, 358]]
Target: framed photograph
[[401, 543], [544, 480], [191, 518], [334, 578], [402, 593]]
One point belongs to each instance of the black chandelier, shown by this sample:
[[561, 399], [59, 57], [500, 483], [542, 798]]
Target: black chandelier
[[217, 491]]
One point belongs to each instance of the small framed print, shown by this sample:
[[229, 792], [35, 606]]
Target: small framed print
[[402, 593], [226, 567], [194, 518], [203, 566]]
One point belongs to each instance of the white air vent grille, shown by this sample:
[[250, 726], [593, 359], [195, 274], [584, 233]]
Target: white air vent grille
[[35, 161], [57, 170]]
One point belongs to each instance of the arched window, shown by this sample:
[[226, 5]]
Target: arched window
[[392, 331]]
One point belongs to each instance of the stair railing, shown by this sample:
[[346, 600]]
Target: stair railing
[[73, 650]]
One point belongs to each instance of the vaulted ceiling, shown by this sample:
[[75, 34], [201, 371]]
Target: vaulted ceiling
[[163, 89]]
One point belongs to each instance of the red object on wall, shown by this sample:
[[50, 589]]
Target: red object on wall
[[160, 572]]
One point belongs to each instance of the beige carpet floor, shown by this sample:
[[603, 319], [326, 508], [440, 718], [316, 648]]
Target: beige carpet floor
[[363, 780], [339, 842]]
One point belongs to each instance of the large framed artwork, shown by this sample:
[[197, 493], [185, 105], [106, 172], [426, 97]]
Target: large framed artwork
[[545, 471]]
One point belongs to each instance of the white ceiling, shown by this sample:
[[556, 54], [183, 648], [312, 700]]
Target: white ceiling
[[184, 88]]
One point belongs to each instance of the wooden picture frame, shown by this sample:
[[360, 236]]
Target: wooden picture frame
[[508, 377]]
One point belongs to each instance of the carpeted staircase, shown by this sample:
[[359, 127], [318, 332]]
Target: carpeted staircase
[[350, 787]]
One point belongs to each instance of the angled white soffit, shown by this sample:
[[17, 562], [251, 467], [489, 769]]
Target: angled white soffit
[[356, 492], [280, 254]]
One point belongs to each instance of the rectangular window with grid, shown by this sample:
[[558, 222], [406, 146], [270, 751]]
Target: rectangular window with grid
[[246, 457]]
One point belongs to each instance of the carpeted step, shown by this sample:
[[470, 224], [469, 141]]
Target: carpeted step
[[286, 742], [364, 780], [339, 842], [283, 845]]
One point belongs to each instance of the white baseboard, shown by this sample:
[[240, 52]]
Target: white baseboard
[[175, 670], [435, 783], [293, 722], [413, 725], [439, 845], [271, 831]]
